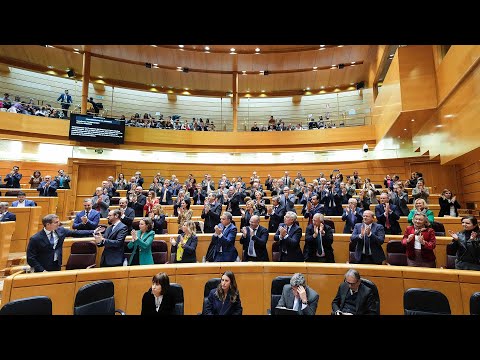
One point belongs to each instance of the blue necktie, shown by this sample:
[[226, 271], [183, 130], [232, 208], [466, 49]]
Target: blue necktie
[[52, 240], [367, 243]]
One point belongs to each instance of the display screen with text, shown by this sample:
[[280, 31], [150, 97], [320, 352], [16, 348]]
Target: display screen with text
[[96, 129]]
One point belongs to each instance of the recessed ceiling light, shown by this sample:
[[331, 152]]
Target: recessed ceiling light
[[322, 87], [439, 125], [154, 45], [179, 68], [154, 84], [353, 62], [322, 48], [181, 46], [448, 116], [412, 120], [340, 45], [232, 49], [76, 52], [352, 83], [187, 89], [207, 48], [100, 76], [263, 91], [244, 72]]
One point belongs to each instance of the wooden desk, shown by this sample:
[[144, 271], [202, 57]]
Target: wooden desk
[[6, 231], [27, 224], [48, 204]]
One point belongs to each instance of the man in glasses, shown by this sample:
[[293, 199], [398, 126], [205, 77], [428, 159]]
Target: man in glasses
[[354, 297]]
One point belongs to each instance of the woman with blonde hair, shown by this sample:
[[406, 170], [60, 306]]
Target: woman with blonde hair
[[420, 241], [158, 217], [184, 247], [422, 207]]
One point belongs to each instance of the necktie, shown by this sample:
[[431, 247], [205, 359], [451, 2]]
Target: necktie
[[52, 240], [387, 221], [352, 217], [46, 190], [367, 241], [296, 305], [251, 244], [319, 244], [164, 199], [86, 214]]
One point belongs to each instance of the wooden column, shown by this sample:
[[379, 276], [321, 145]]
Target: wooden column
[[235, 100], [85, 80]]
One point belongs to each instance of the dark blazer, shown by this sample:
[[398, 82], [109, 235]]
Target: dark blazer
[[47, 191], [128, 218], [9, 216], [377, 237], [158, 224], [308, 214], [392, 218], [92, 222], [211, 218], [349, 225], [40, 252], [189, 250], [365, 300], [113, 242], [102, 206], [168, 198], [290, 244], [445, 207], [427, 249], [167, 307], [287, 300], [197, 195], [138, 206], [276, 218], [215, 306], [66, 182], [27, 203], [227, 242], [401, 203], [311, 245], [12, 181], [259, 243]]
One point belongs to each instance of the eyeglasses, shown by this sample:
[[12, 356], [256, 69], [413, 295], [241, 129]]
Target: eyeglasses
[[351, 284]]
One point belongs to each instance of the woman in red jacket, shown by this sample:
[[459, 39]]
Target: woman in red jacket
[[420, 241]]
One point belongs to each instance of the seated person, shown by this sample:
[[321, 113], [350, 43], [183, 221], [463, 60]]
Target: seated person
[[225, 298], [6, 215], [353, 297], [158, 300], [298, 296], [22, 201]]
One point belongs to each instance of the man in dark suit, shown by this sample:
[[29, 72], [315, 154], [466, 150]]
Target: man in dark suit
[[353, 297], [47, 187], [63, 180], [318, 241], [275, 214], [399, 198], [298, 296], [288, 236], [331, 200], [351, 215], [86, 219], [127, 214], [44, 251], [387, 216], [12, 179], [254, 240], [288, 200], [6, 215], [211, 213], [66, 100], [313, 207], [113, 239], [198, 195], [223, 240], [138, 201], [22, 201], [368, 238]]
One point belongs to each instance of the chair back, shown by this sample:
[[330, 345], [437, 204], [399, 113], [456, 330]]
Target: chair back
[[374, 289], [275, 251], [96, 298], [396, 253], [114, 200], [438, 228], [351, 253], [177, 291], [329, 223], [34, 305], [136, 225], [159, 251], [475, 303], [276, 291], [451, 256], [83, 255], [12, 192], [198, 226], [417, 301], [209, 285], [126, 251]]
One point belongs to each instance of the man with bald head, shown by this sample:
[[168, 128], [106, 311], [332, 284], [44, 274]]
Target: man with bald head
[[318, 241], [47, 187], [254, 240], [101, 202], [368, 238]]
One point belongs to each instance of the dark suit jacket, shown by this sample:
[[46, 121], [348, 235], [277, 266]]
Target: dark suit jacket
[[276, 218], [259, 244], [290, 244], [49, 191], [128, 218], [311, 245], [445, 207], [66, 182], [138, 206], [348, 228], [13, 181], [40, 252], [215, 306], [167, 307], [8, 216], [114, 242], [27, 203], [377, 237], [365, 300], [392, 218], [168, 198], [189, 250], [227, 242], [401, 203], [92, 222], [212, 218], [287, 300]]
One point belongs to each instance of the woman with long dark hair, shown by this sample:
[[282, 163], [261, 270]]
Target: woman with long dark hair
[[225, 299], [467, 244]]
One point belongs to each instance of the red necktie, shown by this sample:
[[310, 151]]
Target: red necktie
[[387, 221]]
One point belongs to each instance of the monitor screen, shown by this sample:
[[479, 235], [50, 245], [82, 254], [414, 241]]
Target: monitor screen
[[96, 129]]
